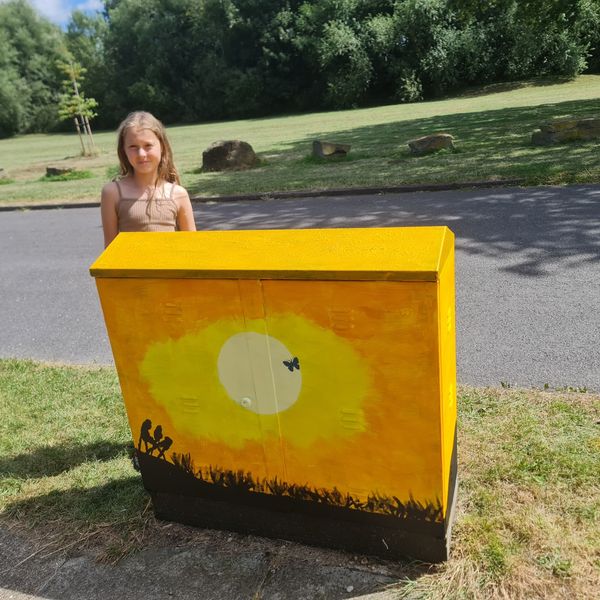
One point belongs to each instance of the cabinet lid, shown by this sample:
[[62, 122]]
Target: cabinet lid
[[387, 253]]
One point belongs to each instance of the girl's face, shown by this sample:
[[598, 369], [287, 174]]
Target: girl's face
[[143, 150]]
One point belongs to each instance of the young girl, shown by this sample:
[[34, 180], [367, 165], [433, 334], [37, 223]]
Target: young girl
[[147, 196]]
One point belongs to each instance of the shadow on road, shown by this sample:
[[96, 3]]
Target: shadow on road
[[534, 230]]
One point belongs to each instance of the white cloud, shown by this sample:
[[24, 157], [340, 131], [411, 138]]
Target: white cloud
[[57, 11], [90, 5]]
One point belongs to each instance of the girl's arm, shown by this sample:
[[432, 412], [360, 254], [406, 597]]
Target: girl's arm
[[108, 211], [185, 214]]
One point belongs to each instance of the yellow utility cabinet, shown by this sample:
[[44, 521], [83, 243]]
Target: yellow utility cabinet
[[298, 384]]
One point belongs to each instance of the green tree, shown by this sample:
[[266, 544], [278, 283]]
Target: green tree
[[74, 105], [149, 54], [190, 60], [85, 38], [29, 48], [12, 90], [536, 37]]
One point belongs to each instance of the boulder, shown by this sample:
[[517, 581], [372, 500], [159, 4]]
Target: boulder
[[323, 149], [566, 130], [228, 155], [56, 171], [560, 125], [431, 143], [542, 138], [589, 128]]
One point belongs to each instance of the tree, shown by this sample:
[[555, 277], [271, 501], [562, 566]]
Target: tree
[[149, 53], [85, 39], [29, 79], [190, 60], [12, 91], [74, 105]]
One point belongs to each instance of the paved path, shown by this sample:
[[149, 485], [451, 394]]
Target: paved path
[[197, 564], [528, 275]]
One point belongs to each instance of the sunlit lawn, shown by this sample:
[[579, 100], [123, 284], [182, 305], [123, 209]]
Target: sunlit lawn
[[492, 127]]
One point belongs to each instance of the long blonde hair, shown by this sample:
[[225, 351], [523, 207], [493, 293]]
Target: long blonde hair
[[145, 120]]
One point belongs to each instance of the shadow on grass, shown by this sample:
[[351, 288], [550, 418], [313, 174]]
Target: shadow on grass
[[117, 501], [494, 142], [491, 145], [535, 229], [48, 461], [508, 86]]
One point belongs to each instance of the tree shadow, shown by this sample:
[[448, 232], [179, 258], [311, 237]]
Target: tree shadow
[[116, 501], [508, 86], [48, 461], [534, 231], [491, 145]]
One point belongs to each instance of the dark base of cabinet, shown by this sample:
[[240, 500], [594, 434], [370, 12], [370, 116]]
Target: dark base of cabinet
[[181, 497]]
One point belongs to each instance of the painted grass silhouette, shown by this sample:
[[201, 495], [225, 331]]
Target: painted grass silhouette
[[245, 482]]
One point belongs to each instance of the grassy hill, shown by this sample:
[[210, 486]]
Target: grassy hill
[[492, 128]]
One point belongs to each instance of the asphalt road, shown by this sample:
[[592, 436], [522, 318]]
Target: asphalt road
[[528, 275]]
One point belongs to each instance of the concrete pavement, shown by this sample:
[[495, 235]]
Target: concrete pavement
[[183, 563]]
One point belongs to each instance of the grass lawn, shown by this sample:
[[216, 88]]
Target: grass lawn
[[528, 516], [492, 127]]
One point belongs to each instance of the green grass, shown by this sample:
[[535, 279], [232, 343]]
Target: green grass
[[528, 522], [492, 128], [528, 514], [64, 453]]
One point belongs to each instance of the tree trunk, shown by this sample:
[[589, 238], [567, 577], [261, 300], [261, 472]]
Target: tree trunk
[[89, 132], [79, 134]]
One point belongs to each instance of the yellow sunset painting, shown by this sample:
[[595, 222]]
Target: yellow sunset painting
[[324, 384]]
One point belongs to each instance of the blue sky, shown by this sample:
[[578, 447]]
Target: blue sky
[[59, 11]]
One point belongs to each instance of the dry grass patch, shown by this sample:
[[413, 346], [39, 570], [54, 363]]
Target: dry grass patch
[[528, 518]]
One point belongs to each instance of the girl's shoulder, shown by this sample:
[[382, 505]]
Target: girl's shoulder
[[178, 192], [118, 184], [177, 189], [110, 191]]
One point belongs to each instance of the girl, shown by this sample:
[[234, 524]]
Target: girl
[[147, 195]]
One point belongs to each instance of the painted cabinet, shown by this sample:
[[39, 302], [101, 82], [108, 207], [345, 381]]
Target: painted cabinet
[[292, 383]]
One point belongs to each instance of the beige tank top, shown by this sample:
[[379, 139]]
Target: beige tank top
[[158, 214]]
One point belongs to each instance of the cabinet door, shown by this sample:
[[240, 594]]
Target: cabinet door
[[190, 364], [366, 421]]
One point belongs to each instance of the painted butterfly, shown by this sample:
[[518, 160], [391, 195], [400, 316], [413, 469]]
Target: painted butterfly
[[292, 364]]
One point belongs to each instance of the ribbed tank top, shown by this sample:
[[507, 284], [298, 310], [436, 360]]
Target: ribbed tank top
[[158, 214]]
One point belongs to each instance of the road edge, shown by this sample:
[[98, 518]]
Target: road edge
[[283, 195]]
